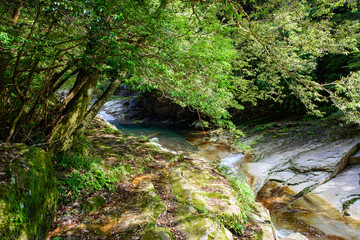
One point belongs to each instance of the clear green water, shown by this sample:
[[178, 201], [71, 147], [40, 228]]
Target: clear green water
[[170, 138]]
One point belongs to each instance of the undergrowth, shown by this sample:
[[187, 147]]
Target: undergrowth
[[80, 173]]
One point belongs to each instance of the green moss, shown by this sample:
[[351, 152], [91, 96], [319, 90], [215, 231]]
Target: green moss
[[93, 204], [233, 222], [152, 205], [203, 226], [244, 195], [183, 211], [214, 195], [157, 233], [28, 199]]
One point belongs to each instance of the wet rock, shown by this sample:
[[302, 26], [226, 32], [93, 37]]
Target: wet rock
[[119, 109], [318, 214], [303, 167], [307, 177], [342, 192], [295, 236], [331, 157], [353, 210], [259, 174], [154, 107]]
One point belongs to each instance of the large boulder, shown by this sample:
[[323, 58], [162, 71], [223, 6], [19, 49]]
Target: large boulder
[[28, 193]]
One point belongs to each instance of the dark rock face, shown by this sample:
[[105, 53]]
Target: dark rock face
[[28, 194], [154, 107], [148, 107]]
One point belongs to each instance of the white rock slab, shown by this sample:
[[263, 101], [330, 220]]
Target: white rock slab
[[341, 189]]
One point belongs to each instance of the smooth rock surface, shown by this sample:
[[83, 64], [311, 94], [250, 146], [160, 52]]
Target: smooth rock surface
[[306, 167], [306, 176], [340, 191], [295, 236]]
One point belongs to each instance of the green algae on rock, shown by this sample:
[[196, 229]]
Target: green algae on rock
[[28, 196]]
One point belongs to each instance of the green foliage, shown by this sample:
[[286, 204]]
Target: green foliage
[[233, 222], [244, 194], [262, 127], [280, 44], [310, 133], [347, 97], [243, 146], [144, 138], [82, 174], [111, 130]]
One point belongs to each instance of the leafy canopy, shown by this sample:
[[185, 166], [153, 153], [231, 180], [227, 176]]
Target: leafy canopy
[[211, 56]]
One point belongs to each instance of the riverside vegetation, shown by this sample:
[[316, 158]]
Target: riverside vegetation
[[218, 58]]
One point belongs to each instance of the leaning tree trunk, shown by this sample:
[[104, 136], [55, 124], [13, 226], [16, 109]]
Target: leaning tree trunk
[[98, 105], [62, 134]]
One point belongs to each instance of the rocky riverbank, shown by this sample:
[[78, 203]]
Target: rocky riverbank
[[160, 196], [307, 174]]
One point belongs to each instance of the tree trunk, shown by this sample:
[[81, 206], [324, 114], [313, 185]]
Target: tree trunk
[[62, 134], [98, 104]]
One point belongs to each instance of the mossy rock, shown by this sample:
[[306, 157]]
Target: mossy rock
[[149, 202], [204, 226], [157, 233], [93, 204], [200, 190], [28, 196], [184, 211]]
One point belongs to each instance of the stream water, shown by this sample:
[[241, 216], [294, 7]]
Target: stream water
[[287, 220]]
